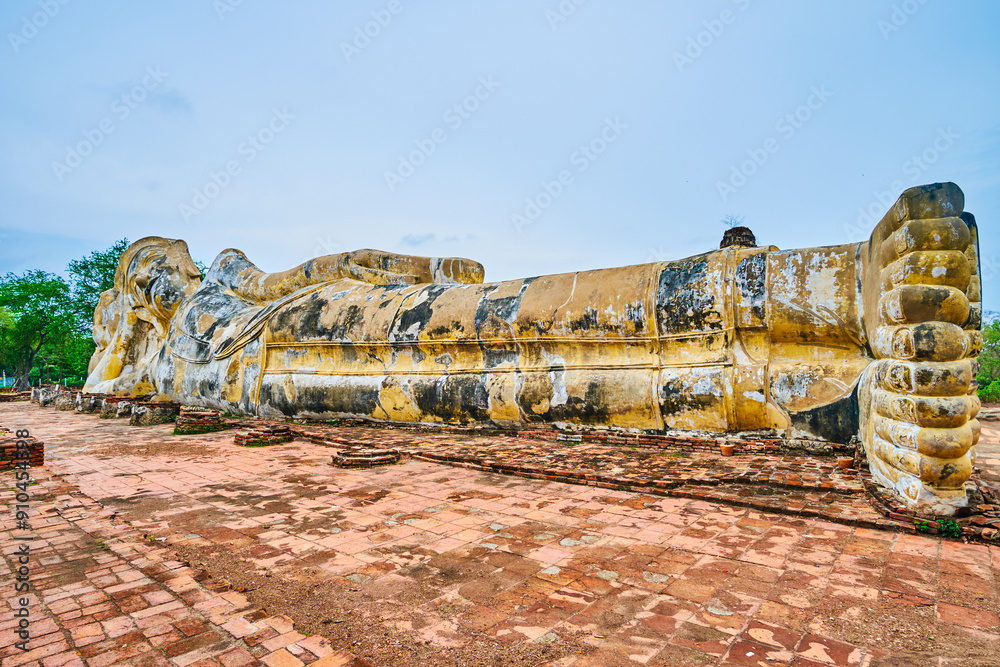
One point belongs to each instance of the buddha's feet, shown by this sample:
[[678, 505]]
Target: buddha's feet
[[922, 314]]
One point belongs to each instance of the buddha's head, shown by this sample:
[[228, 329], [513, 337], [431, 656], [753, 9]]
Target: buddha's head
[[156, 274], [132, 319]]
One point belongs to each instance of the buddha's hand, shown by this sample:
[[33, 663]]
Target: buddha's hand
[[386, 268], [921, 301]]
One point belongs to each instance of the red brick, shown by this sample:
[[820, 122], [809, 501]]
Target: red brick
[[238, 657], [969, 618]]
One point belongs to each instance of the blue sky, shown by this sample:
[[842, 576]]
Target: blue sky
[[534, 136]]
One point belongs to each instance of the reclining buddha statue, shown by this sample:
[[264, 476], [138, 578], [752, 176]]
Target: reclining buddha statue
[[875, 339]]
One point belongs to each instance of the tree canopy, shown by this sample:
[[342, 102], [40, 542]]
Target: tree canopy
[[46, 322], [92, 275], [41, 314], [989, 362]]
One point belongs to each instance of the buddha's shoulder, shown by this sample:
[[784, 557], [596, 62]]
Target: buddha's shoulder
[[228, 266]]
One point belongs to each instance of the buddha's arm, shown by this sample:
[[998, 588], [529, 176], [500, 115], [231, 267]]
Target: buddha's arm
[[379, 267], [374, 267]]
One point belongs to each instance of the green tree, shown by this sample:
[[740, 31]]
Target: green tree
[[41, 313], [6, 322], [989, 363], [46, 323], [77, 353], [92, 275]]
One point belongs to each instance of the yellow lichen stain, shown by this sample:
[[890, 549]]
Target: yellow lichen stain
[[143, 387], [233, 387], [394, 404], [205, 321], [288, 386], [541, 407]]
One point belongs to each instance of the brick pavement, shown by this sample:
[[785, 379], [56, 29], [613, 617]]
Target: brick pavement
[[103, 595], [806, 485], [446, 559], [775, 478]]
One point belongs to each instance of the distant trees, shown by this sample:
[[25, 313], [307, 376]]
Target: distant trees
[[92, 275], [40, 313], [46, 321], [989, 361]]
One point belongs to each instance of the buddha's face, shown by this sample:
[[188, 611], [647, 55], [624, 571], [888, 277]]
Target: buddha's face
[[162, 276]]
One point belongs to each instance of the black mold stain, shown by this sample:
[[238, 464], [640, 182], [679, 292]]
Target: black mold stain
[[348, 353], [455, 399], [592, 408], [302, 319], [348, 320], [975, 320], [684, 300], [674, 399], [536, 388], [215, 299], [456, 326], [585, 322], [208, 386], [836, 422], [132, 354], [493, 317], [750, 279], [341, 398], [636, 313], [418, 315], [924, 338], [297, 317], [498, 355], [165, 365], [947, 470], [504, 308]]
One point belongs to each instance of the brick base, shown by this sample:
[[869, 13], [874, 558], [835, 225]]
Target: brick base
[[8, 451]]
